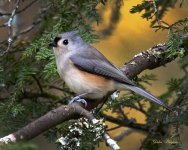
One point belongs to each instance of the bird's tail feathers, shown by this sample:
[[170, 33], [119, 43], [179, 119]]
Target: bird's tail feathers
[[146, 94]]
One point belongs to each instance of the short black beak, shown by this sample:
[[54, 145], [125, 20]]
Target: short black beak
[[52, 44]]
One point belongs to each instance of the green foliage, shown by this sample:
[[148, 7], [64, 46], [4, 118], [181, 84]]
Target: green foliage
[[177, 31], [183, 118], [26, 76], [147, 7], [38, 59], [146, 78], [25, 82], [174, 84]]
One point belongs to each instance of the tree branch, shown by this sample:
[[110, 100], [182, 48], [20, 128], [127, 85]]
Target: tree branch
[[49, 120], [149, 59], [111, 142], [128, 123]]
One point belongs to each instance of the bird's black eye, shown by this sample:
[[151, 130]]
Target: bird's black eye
[[65, 42]]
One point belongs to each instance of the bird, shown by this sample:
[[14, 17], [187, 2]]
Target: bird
[[87, 72]]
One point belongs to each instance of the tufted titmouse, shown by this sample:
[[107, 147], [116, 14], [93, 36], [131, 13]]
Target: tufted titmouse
[[89, 73]]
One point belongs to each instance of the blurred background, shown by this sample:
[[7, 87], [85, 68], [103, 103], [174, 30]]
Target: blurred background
[[119, 41], [131, 35]]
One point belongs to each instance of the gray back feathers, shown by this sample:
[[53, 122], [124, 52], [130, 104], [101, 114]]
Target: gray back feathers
[[70, 34]]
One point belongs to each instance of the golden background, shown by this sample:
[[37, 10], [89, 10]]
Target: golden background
[[131, 35]]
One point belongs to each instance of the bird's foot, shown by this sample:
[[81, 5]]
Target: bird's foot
[[79, 99]]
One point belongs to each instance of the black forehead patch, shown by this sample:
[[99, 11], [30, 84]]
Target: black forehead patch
[[56, 40]]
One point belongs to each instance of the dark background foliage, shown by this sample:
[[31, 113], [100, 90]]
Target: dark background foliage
[[30, 85]]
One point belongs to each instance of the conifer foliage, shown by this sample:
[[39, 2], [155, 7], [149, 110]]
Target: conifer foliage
[[30, 85]]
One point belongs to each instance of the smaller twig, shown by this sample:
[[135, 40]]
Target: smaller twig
[[114, 128], [130, 123], [122, 113], [110, 142], [29, 28], [123, 134], [20, 11], [105, 99], [35, 23], [138, 109], [38, 83], [181, 3], [156, 12], [31, 95], [60, 89], [140, 105], [183, 104], [9, 25], [142, 109]]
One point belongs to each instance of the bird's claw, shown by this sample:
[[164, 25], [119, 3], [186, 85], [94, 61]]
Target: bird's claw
[[78, 99]]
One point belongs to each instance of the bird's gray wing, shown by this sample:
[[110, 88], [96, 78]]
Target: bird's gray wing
[[97, 64]]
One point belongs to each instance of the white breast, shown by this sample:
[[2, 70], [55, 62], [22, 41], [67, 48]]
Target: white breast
[[82, 82]]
